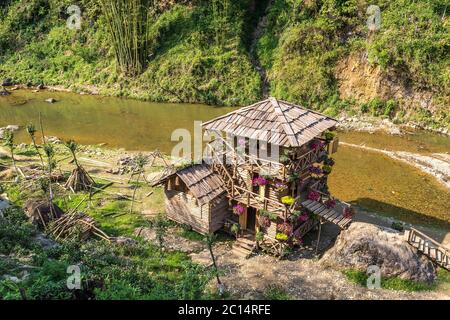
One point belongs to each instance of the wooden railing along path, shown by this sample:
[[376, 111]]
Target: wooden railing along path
[[429, 247]]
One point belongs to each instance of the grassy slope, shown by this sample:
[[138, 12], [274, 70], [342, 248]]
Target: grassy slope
[[303, 42]]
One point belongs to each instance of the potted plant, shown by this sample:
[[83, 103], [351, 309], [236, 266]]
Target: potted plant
[[235, 228], [285, 228], [280, 186], [281, 237], [329, 135], [266, 217], [288, 200]]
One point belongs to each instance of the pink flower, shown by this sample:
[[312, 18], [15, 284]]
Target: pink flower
[[260, 181], [314, 196], [304, 217], [238, 209], [330, 203]]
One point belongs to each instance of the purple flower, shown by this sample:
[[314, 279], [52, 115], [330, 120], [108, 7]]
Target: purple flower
[[260, 181], [238, 209], [304, 217], [314, 196]]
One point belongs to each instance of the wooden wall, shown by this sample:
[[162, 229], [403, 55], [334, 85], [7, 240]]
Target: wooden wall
[[220, 210], [183, 208]]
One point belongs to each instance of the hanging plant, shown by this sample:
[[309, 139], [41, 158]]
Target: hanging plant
[[316, 145], [260, 181], [239, 209], [314, 196], [315, 171], [330, 203], [329, 135], [287, 200]]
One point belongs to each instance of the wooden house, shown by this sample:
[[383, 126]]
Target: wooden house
[[195, 196], [266, 171]]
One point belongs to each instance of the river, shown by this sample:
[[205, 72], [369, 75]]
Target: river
[[368, 179]]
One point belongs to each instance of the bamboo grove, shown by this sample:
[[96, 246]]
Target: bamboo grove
[[128, 22]]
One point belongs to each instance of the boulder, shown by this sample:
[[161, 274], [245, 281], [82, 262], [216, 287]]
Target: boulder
[[363, 245]]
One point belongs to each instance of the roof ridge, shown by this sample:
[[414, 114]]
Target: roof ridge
[[306, 109], [284, 122], [237, 111]]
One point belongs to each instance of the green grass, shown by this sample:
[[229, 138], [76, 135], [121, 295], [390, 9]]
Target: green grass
[[394, 283], [274, 292]]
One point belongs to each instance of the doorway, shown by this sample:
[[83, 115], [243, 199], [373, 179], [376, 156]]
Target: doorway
[[251, 219]]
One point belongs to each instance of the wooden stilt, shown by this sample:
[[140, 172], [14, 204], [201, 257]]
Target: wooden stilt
[[318, 237]]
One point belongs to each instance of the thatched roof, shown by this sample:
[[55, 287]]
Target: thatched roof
[[275, 121], [204, 184]]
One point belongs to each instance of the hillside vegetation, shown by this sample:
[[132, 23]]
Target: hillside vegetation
[[318, 53]]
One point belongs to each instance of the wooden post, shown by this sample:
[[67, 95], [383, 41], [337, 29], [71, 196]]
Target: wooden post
[[318, 237], [243, 219]]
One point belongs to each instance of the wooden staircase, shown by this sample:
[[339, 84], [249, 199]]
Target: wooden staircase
[[429, 247], [244, 246]]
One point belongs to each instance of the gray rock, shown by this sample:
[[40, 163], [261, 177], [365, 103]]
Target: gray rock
[[7, 82], [363, 245], [12, 127], [45, 242], [4, 92], [50, 100], [124, 241]]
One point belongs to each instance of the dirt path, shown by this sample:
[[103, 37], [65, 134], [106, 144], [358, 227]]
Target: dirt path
[[300, 278]]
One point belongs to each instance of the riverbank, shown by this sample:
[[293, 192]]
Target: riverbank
[[359, 123]]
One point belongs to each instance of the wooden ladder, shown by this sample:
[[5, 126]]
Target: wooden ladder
[[429, 247]]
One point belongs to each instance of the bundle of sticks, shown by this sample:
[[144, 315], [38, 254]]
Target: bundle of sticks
[[79, 180], [75, 225]]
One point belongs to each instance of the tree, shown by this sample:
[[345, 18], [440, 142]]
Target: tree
[[210, 239], [51, 164], [32, 133], [139, 162], [160, 225], [8, 141]]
